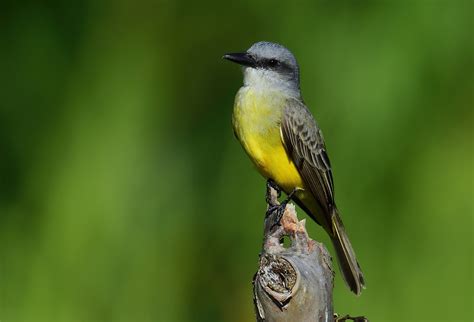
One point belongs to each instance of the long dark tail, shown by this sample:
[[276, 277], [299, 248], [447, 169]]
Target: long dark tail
[[348, 264]]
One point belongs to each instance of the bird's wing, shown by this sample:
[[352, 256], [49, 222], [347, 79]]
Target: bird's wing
[[304, 143]]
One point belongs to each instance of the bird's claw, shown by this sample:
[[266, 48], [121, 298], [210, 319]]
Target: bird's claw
[[278, 210]]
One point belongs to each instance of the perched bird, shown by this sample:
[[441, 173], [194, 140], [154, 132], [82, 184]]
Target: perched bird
[[283, 140]]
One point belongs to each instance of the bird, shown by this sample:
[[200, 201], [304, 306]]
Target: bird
[[284, 141]]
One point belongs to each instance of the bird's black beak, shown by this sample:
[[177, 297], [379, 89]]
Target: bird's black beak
[[243, 59]]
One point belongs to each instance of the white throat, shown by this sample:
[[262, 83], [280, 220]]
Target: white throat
[[264, 79]]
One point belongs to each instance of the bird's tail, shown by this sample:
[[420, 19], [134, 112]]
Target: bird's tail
[[348, 264]]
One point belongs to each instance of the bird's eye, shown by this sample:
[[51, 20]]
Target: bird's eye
[[273, 62]]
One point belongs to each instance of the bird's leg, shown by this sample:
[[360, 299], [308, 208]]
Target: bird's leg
[[275, 209], [272, 200], [289, 197], [280, 209], [272, 195]]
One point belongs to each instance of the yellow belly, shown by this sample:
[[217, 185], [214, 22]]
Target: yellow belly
[[256, 120]]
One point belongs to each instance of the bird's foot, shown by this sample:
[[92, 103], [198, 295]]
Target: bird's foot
[[280, 209], [273, 206], [277, 211]]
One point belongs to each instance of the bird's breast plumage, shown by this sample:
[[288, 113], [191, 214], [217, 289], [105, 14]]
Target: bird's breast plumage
[[256, 121]]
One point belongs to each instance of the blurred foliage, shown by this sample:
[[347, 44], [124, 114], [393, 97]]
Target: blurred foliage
[[125, 197]]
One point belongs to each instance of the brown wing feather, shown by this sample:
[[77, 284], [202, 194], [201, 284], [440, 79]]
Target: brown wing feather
[[305, 144]]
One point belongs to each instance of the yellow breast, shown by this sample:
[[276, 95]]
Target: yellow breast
[[256, 120]]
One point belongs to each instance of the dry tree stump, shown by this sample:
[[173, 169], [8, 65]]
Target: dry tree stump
[[292, 283]]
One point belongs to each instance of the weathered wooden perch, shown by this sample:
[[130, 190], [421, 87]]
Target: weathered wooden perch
[[293, 284]]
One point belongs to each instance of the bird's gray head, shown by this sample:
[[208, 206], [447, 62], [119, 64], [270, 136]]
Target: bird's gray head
[[267, 64]]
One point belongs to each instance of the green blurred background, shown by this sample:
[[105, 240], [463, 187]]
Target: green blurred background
[[125, 197]]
